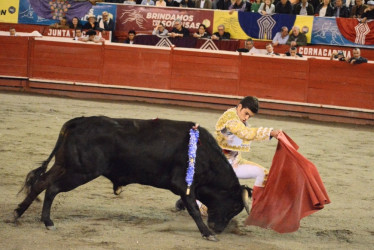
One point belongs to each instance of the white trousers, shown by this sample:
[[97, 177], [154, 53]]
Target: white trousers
[[246, 169]]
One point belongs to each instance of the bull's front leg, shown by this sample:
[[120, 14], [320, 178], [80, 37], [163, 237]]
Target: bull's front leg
[[193, 210]]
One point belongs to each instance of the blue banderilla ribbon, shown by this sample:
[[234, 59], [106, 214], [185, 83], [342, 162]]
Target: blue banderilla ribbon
[[192, 147]]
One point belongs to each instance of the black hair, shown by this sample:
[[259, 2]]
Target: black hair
[[203, 26], [251, 103], [91, 33], [132, 32], [293, 48]]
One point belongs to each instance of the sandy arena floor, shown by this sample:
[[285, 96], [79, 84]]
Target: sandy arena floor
[[142, 217]]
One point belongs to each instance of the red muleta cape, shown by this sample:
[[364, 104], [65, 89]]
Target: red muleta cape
[[293, 190]]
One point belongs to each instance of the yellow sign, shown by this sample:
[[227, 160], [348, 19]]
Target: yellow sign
[[305, 23], [9, 11], [231, 24]]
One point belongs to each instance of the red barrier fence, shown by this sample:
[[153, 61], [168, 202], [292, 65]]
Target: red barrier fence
[[176, 73]]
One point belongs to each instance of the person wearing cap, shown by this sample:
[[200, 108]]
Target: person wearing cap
[[91, 37], [337, 56], [91, 24], [368, 12]]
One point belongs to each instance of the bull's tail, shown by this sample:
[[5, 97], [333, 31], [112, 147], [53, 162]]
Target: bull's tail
[[34, 175]]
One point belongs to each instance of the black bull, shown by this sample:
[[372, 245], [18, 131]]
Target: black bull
[[149, 152]]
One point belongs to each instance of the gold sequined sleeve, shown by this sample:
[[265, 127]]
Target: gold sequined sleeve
[[248, 134]]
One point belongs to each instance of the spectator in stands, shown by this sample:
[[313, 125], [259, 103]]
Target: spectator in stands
[[281, 37], [249, 47], [223, 4], [283, 7], [187, 4], [171, 3], [297, 38], [221, 34], [256, 5], [148, 2], [356, 59], [201, 33], [160, 3], [91, 24], [304, 9], [12, 31], [130, 37], [337, 56], [266, 8], [368, 12], [270, 50], [91, 37], [160, 30], [106, 23], [179, 30], [62, 24], [75, 24], [315, 3], [340, 10], [324, 9], [238, 5], [293, 52], [129, 2], [78, 34], [358, 9], [203, 4]]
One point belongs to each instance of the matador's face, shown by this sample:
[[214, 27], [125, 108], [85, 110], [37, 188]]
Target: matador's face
[[244, 113]]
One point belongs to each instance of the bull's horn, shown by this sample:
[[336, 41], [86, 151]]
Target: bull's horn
[[245, 198]]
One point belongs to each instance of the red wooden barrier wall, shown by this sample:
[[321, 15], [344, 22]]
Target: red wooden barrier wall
[[136, 66], [341, 84], [274, 78], [13, 56], [204, 72], [66, 61], [312, 81]]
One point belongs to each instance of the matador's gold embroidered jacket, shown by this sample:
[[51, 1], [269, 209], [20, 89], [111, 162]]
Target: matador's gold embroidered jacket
[[233, 134]]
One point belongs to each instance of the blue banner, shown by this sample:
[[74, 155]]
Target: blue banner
[[264, 26]]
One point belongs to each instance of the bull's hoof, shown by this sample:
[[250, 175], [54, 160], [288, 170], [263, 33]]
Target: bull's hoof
[[118, 190], [211, 238], [52, 228]]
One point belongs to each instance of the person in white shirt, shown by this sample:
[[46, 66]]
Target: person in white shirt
[[249, 47], [281, 37], [266, 8], [148, 2]]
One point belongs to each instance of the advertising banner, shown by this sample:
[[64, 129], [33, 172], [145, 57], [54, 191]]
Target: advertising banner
[[144, 19], [326, 31], [46, 12], [9, 11]]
